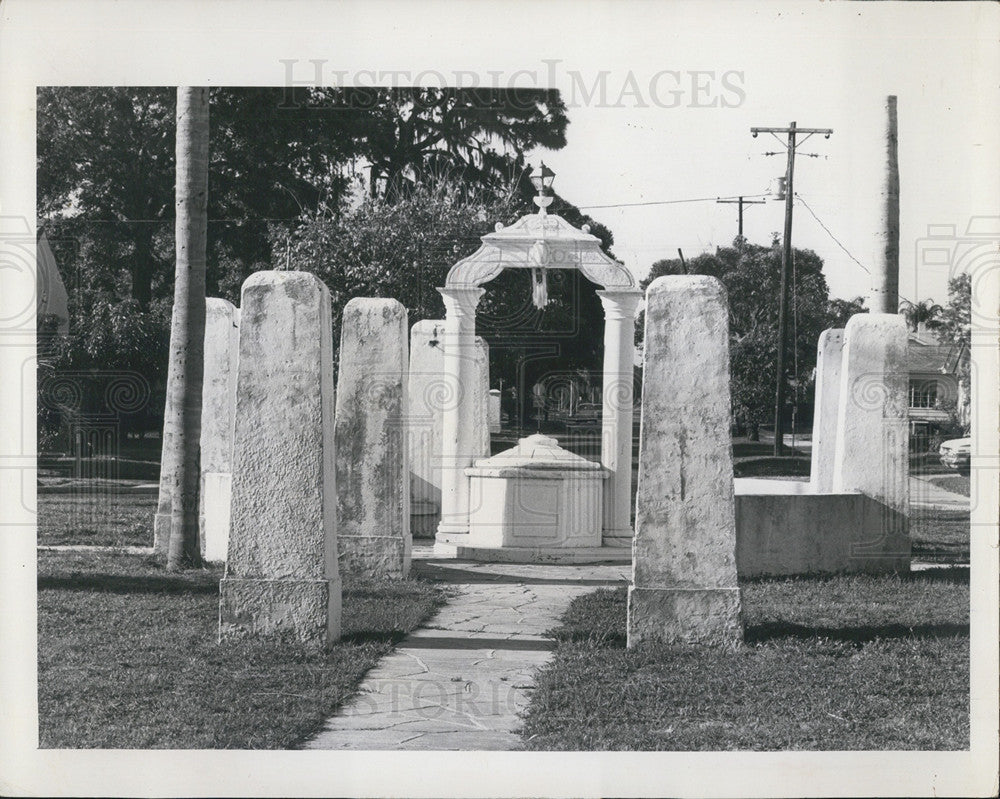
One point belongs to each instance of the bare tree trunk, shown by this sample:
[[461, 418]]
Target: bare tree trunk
[[182, 424]]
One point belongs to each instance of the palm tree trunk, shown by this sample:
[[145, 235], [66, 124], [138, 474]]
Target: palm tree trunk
[[182, 425]]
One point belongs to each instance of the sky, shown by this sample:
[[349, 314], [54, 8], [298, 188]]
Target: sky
[[767, 69]]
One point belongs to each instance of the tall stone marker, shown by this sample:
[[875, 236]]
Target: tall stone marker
[[373, 475], [281, 573], [825, 411], [481, 409], [684, 587], [873, 446], [427, 396], [218, 408]]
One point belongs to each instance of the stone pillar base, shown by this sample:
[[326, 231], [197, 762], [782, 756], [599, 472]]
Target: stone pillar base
[[450, 533], [308, 610], [374, 556], [684, 616], [619, 539]]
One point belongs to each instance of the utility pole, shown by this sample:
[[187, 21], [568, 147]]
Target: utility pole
[[884, 297], [792, 132], [741, 203]]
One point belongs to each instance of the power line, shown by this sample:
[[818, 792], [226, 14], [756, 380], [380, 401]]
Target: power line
[[246, 220], [670, 202], [830, 234], [837, 241]]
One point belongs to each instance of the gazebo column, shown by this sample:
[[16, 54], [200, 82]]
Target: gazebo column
[[616, 414], [458, 401]]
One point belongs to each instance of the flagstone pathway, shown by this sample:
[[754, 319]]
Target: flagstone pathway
[[460, 681]]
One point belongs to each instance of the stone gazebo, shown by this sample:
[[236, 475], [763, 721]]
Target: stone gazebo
[[538, 242]]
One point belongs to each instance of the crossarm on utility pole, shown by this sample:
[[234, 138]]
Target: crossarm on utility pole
[[786, 260]]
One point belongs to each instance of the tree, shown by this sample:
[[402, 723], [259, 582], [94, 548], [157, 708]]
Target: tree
[[955, 328], [925, 312], [182, 425], [839, 311], [751, 274], [479, 134], [106, 177], [106, 160]]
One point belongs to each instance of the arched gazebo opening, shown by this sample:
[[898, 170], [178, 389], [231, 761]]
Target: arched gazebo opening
[[539, 242]]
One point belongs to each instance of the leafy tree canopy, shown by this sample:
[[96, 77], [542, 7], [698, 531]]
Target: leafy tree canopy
[[278, 158]]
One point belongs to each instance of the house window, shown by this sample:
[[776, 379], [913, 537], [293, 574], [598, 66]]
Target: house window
[[923, 393]]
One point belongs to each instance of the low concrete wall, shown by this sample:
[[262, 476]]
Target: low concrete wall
[[782, 529]]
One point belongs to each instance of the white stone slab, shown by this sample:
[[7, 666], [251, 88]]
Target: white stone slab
[[218, 420], [373, 476], [825, 409], [281, 571], [684, 586], [427, 398], [216, 501], [872, 453]]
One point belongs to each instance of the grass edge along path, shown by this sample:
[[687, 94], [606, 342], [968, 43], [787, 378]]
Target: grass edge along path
[[837, 663], [128, 658]]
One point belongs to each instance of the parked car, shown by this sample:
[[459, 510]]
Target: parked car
[[955, 453]]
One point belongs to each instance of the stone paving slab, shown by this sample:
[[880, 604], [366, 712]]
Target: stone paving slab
[[461, 681]]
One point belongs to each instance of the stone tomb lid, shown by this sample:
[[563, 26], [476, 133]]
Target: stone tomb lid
[[535, 453]]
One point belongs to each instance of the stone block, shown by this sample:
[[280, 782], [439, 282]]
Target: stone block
[[427, 398], [872, 449], [824, 436], [684, 586], [373, 484], [481, 408], [426, 394], [782, 530], [494, 410], [281, 571], [218, 407], [216, 504], [708, 616]]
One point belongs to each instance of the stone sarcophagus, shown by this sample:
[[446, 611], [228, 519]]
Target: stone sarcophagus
[[536, 495]]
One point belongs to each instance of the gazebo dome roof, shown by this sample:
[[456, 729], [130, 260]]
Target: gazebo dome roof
[[540, 240]]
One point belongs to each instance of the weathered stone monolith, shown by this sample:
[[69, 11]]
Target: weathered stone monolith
[[373, 476], [427, 397], [482, 406], [872, 453], [684, 587], [218, 406], [281, 572], [824, 435], [494, 410]]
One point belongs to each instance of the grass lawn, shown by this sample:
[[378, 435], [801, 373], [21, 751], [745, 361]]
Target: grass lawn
[[842, 663], [940, 535], [99, 517], [127, 658]]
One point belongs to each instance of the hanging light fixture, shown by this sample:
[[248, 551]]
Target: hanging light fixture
[[542, 178], [539, 256]]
